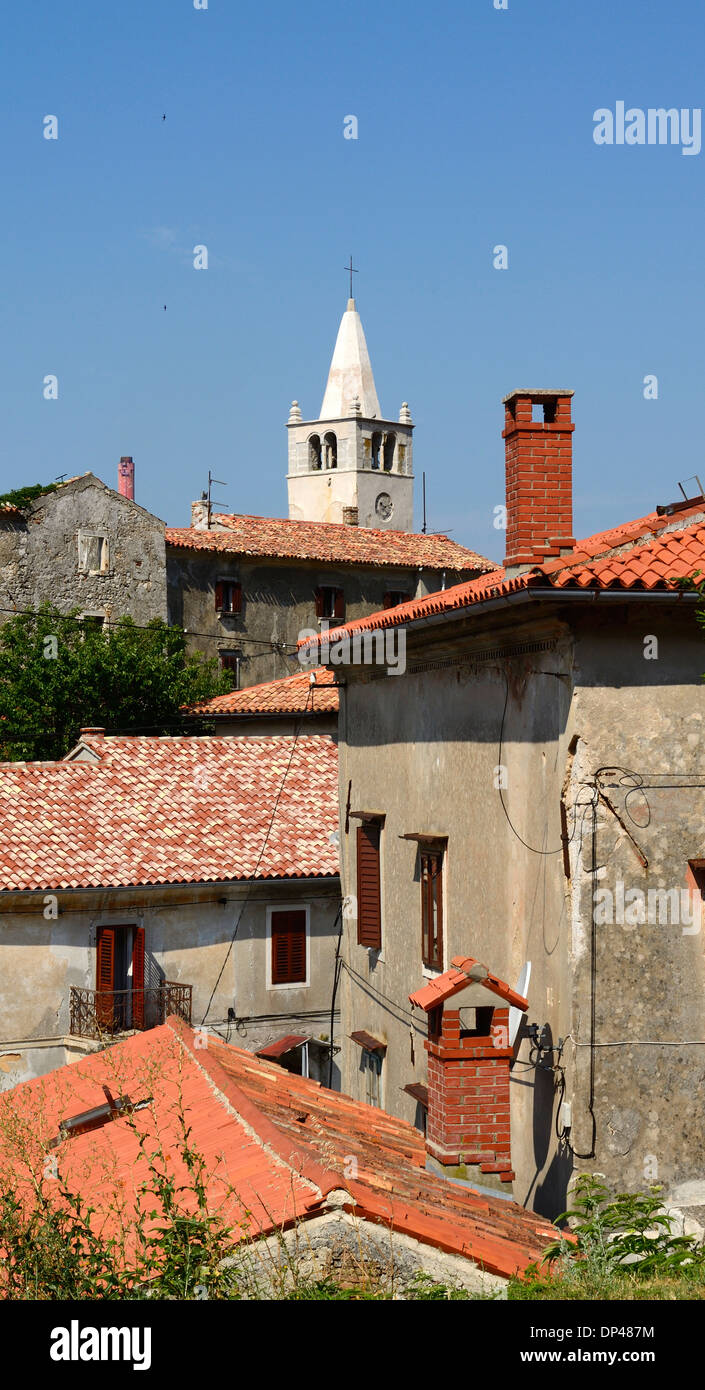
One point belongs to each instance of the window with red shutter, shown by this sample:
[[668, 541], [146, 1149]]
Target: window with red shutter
[[228, 596], [369, 896], [318, 598], [432, 907], [330, 603], [138, 978], [394, 597], [105, 975], [339, 606], [288, 928]]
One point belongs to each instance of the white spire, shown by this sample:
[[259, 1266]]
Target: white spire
[[350, 373]]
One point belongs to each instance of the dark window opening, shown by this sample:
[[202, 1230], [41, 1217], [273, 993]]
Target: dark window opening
[[394, 597], [314, 451], [330, 450], [228, 596], [390, 441], [330, 603], [376, 449], [230, 661]]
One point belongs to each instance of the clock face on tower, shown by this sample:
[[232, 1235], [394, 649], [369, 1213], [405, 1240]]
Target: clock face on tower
[[384, 506]]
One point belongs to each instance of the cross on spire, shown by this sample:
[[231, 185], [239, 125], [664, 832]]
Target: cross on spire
[[353, 271]]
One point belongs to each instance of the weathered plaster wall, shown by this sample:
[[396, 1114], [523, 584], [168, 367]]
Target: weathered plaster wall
[[278, 603], [186, 941], [39, 557], [424, 748]]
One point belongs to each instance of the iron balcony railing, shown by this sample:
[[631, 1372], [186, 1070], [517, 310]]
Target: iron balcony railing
[[97, 1012]]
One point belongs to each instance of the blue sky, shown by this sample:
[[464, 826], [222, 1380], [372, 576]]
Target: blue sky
[[475, 128]]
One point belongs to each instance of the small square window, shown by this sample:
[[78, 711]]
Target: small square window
[[330, 603], [92, 553], [228, 596]]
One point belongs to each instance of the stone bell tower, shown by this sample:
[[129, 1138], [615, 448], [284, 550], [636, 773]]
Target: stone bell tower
[[351, 465]]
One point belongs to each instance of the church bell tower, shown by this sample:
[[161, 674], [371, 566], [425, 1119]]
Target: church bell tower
[[351, 465]]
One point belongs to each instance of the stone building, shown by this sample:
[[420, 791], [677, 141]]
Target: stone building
[[529, 796], [146, 876], [83, 545]]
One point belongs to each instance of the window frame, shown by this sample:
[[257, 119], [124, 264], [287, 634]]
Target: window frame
[[235, 587], [235, 652], [82, 539], [372, 1063], [434, 959], [273, 908], [337, 613]]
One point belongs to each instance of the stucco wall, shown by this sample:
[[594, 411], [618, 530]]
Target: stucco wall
[[187, 936], [39, 556], [424, 749]]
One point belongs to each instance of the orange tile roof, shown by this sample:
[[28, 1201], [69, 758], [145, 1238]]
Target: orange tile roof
[[332, 542], [652, 553], [291, 695], [171, 810], [275, 1144], [452, 981]]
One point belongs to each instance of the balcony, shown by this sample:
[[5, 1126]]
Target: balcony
[[100, 1013]]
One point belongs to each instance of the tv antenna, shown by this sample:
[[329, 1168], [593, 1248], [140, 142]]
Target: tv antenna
[[211, 483]]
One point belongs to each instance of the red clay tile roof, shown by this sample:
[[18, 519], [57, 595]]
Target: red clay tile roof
[[290, 695], [443, 987], [9, 509], [171, 810], [275, 1146], [652, 553], [328, 541], [282, 1045]]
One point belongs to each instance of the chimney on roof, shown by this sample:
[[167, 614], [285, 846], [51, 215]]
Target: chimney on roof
[[199, 514], [539, 477], [350, 516], [126, 477], [469, 1053]]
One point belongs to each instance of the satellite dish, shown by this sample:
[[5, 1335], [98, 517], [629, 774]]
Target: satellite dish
[[516, 1015]]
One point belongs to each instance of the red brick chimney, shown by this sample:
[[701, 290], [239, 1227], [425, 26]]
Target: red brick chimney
[[468, 1070], [539, 476], [126, 477]]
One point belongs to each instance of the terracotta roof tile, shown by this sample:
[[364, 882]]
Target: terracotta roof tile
[[326, 541], [275, 1146], [653, 553], [171, 810], [291, 695], [452, 981]]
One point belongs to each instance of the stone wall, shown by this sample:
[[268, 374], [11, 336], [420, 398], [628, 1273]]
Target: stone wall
[[83, 526]]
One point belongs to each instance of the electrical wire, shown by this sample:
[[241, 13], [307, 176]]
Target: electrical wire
[[274, 643]]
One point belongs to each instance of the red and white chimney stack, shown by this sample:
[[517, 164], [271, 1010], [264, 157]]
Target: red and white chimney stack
[[126, 477], [539, 477]]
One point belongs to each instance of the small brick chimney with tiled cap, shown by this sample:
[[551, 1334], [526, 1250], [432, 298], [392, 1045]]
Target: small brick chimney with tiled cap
[[469, 1054], [539, 477]]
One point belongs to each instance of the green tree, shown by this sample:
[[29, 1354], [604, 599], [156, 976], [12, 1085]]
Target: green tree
[[59, 673]]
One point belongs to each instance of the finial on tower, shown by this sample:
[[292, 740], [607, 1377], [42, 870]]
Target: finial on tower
[[352, 271], [294, 413]]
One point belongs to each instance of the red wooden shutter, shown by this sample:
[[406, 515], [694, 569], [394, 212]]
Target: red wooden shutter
[[138, 978], [236, 598], [318, 596], [369, 907], [388, 600], [219, 596], [289, 947], [339, 606], [105, 975]]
